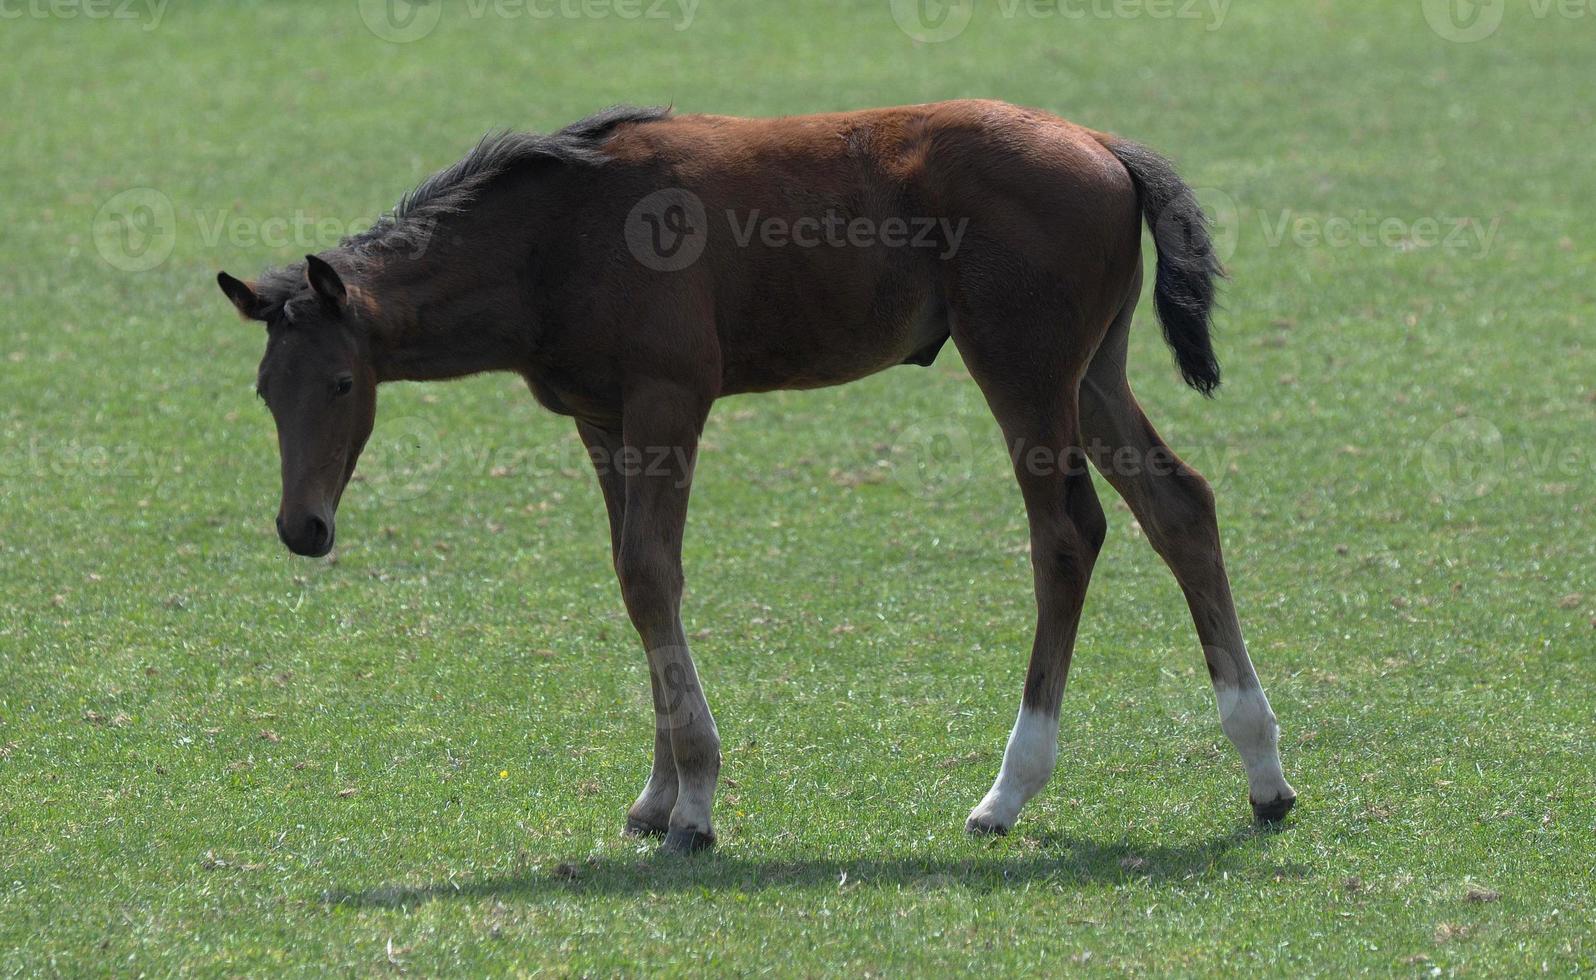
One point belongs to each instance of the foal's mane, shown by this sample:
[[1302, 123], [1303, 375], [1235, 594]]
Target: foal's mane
[[449, 190], [410, 225]]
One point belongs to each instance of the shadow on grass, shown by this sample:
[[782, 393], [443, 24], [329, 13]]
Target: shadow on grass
[[1052, 858]]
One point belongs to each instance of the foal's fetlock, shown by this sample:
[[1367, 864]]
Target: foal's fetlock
[[650, 816], [1272, 811], [984, 826], [991, 817], [687, 840], [643, 826]]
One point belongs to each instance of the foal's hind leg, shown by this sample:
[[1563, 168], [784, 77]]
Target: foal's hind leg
[[1175, 507], [1033, 397]]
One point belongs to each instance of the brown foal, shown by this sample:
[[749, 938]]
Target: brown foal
[[635, 266]]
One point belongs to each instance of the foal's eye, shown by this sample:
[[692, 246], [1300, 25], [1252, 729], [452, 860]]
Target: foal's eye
[[344, 384]]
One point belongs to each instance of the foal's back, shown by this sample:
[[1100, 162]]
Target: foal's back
[[960, 206]]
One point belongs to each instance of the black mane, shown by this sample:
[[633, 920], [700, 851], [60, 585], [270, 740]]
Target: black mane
[[409, 226], [450, 189]]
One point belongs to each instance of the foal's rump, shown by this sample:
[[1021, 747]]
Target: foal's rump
[[1054, 226]]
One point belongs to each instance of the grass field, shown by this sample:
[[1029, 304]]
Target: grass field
[[415, 756]]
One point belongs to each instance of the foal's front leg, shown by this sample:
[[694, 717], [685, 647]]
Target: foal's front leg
[[660, 434], [650, 815]]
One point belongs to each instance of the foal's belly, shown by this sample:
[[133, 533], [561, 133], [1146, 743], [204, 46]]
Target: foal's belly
[[832, 339]]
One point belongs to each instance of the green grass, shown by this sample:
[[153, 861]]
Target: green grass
[[217, 759]]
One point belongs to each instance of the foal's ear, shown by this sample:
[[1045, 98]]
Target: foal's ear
[[324, 279], [243, 296]]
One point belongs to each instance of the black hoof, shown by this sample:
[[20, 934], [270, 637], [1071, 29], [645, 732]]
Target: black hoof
[[1274, 811], [685, 840], [984, 828], [642, 828]]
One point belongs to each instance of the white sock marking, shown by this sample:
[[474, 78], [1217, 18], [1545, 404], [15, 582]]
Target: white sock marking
[[1027, 763], [1250, 725]]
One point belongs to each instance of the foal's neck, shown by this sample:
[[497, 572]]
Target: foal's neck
[[455, 307]]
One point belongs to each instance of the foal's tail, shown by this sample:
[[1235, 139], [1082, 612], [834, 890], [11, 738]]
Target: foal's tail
[[1183, 292]]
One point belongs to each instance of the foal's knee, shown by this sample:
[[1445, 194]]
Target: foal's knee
[[1184, 522], [1087, 514], [1073, 545], [1065, 556], [651, 581]]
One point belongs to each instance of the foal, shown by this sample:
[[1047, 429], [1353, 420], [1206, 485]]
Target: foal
[[635, 266]]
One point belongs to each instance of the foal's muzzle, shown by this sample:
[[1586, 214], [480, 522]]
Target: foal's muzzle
[[310, 536]]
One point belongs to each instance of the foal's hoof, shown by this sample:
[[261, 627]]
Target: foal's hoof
[[643, 828], [685, 840], [985, 827], [1274, 811]]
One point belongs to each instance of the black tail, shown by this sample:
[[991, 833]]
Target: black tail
[[1183, 292]]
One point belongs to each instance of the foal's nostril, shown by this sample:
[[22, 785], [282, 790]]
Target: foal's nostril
[[316, 534], [311, 537]]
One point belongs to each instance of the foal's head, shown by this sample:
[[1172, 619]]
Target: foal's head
[[318, 381]]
